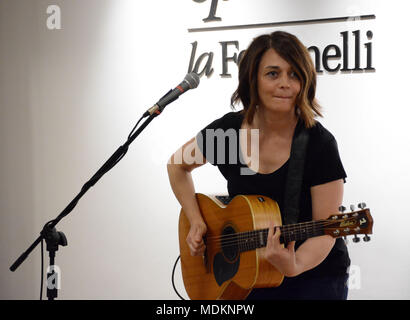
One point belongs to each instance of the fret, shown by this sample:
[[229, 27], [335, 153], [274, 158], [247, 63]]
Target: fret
[[284, 233], [313, 229], [298, 234], [302, 231]]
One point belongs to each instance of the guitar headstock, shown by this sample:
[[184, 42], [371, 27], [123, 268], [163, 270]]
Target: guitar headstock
[[352, 223]]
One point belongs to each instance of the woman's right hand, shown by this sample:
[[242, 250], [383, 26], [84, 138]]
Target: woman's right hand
[[195, 238]]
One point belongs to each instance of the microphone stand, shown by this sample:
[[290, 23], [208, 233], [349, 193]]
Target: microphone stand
[[49, 233], [53, 240]]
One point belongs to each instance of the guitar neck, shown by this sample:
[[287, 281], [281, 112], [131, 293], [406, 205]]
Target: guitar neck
[[252, 240]]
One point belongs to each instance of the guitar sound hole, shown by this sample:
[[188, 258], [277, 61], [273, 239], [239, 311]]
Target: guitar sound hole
[[229, 244]]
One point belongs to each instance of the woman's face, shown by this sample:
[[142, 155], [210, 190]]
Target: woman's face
[[278, 83]]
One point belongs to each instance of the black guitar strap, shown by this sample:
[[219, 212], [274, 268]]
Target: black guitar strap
[[295, 174]]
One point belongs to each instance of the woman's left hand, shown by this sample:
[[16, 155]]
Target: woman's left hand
[[283, 258]]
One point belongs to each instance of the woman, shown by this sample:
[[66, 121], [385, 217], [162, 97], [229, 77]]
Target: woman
[[277, 83]]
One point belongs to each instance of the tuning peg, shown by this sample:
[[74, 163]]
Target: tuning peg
[[356, 239], [342, 209], [361, 205], [352, 207], [366, 238]]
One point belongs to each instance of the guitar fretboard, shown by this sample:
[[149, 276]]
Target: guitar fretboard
[[252, 240]]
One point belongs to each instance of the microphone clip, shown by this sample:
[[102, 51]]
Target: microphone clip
[[158, 107]]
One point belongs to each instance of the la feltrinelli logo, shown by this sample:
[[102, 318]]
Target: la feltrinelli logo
[[330, 59]]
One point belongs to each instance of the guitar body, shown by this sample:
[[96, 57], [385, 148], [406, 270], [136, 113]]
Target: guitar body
[[224, 272]]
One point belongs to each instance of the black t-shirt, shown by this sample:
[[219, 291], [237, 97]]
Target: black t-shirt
[[322, 165]]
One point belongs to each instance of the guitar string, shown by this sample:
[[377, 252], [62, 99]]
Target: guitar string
[[286, 234], [250, 244], [290, 228], [251, 239], [283, 229]]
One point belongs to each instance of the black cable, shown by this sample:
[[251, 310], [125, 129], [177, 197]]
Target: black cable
[[135, 127], [173, 283], [42, 271]]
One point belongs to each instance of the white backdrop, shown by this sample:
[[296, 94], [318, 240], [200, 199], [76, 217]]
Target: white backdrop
[[70, 96]]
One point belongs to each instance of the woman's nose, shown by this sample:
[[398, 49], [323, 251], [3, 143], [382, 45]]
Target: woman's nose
[[284, 81]]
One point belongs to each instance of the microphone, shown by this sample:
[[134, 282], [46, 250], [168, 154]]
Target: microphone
[[191, 81]]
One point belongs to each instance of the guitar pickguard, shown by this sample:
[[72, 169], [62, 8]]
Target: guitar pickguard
[[223, 269]]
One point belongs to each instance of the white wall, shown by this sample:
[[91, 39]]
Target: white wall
[[70, 97]]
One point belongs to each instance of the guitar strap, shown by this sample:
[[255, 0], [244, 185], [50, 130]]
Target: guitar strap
[[295, 174]]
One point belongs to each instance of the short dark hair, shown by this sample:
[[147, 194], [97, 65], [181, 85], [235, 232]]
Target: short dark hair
[[295, 53]]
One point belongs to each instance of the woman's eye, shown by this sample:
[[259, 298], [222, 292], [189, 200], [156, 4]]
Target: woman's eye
[[294, 75], [273, 74]]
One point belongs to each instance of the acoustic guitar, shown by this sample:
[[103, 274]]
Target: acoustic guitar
[[233, 263]]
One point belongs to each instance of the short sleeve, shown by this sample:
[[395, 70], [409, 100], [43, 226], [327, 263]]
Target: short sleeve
[[214, 140], [327, 165], [208, 151]]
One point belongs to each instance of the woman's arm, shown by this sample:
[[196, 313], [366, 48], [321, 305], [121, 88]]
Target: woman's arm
[[326, 199], [179, 167]]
